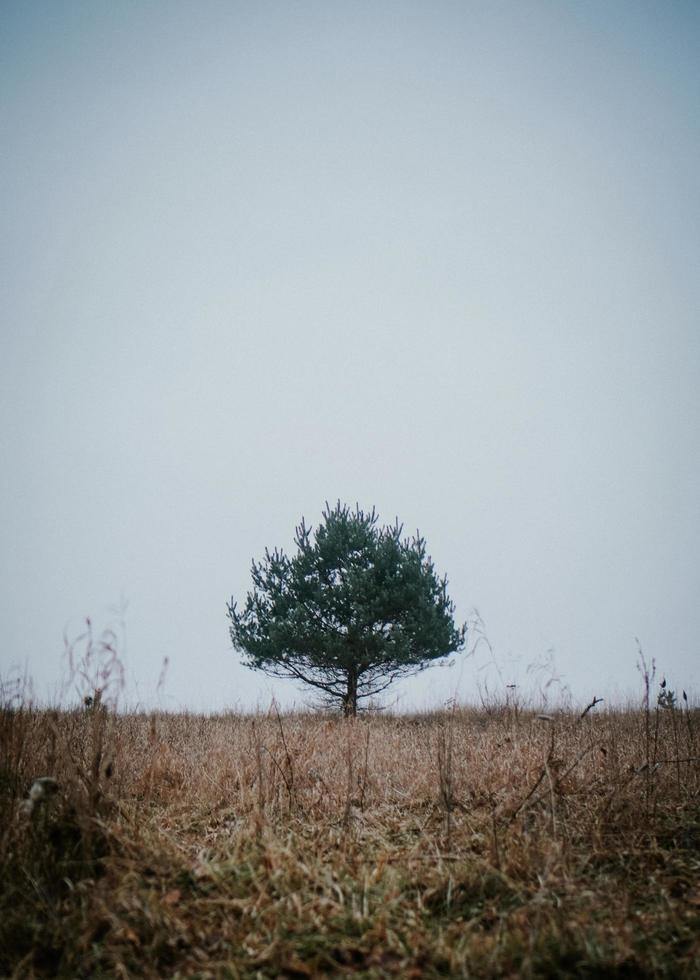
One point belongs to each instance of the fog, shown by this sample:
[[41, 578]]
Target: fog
[[439, 258]]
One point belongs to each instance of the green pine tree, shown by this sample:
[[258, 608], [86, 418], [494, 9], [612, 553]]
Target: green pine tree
[[356, 608]]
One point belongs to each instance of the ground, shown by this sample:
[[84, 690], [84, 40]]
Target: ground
[[476, 843]]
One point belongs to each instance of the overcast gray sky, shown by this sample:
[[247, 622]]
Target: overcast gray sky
[[437, 257]]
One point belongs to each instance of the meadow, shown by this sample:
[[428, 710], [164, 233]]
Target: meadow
[[489, 842]]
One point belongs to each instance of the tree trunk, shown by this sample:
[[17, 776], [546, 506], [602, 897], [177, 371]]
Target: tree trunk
[[350, 699]]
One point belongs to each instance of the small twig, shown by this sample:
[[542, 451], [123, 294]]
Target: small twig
[[280, 770], [552, 800], [522, 803], [290, 765], [363, 784], [445, 774], [494, 831], [582, 755], [347, 815], [666, 762], [593, 703]]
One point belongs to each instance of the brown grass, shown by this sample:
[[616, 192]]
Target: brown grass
[[461, 843]]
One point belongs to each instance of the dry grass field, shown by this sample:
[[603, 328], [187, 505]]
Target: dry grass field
[[467, 843]]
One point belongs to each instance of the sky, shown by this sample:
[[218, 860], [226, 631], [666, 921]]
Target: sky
[[440, 258]]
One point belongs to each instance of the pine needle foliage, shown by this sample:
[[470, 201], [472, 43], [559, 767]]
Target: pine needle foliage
[[357, 607]]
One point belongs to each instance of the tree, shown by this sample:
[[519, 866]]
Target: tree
[[355, 608]]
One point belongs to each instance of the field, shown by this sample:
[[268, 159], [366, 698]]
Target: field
[[476, 843]]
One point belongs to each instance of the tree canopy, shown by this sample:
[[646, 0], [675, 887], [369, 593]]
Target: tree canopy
[[355, 608]]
